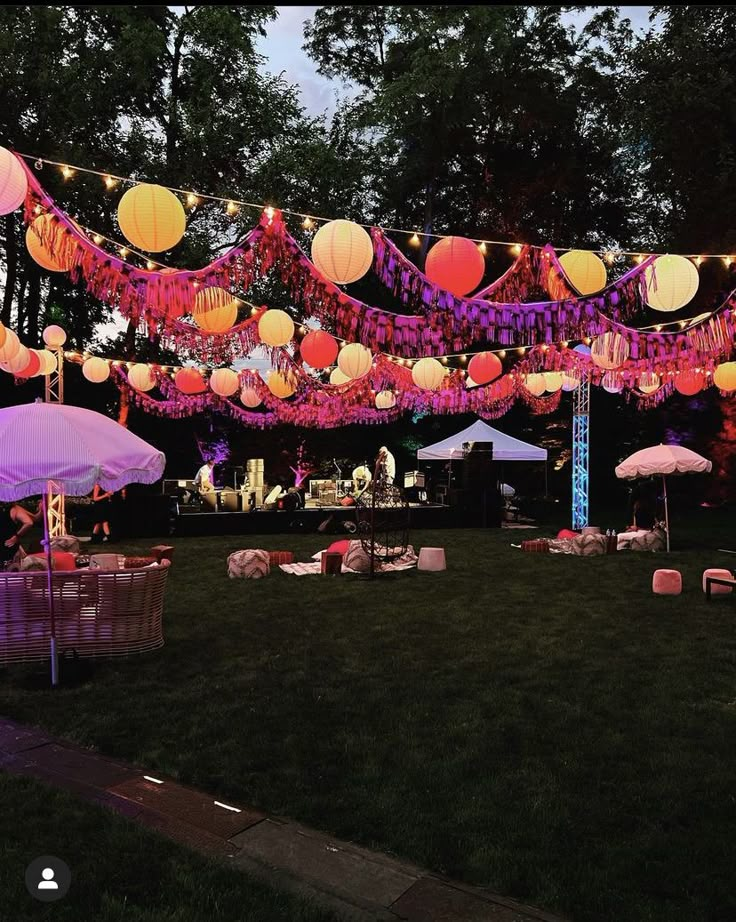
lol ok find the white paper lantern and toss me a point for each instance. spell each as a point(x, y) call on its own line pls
point(16, 362)
point(141, 377)
point(275, 328)
point(385, 400)
point(48, 361)
point(96, 370)
point(671, 282)
point(224, 382)
point(553, 381)
point(54, 336)
point(10, 346)
point(354, 360)
point(249, 397)
point(570, 382)
point(535, 384)
point(342, 251)
point(338, 377)
point(428, 374)
point(609, 350)
point(648, 382)
point(612, 383)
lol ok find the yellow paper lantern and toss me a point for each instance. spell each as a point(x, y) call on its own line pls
point(354, 360)
point(385, 400)
point(570, 382)
point(611, 383)
point(151, 217)
point(609, 350)
point(224, 382)
point(280, 384)
point(584, 270)
point(338, 377)
point(17, 362)
point(39, 253)
point(3, 334)
point(96, 370)
point(13, 182)
point(48, 361)
point(249, 397)
point(724, 377)
point(535, 384)
point(553, 381)
point(342, 251)
point(141, 377)
point(10, 346)
point(275, 328)
point(671, 282)
point(215, 310)
point(428, 374)
point(648, 382)
point(54, 336)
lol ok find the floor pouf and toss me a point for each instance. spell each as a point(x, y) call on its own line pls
point(667, 582)
point(249, 564)
point(589, 545)
point(718, 573)
point(432, 559)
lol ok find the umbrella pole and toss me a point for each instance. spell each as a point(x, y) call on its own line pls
point(52, 617)
point(666, 512)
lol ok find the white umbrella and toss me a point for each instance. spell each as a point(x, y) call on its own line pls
point(68, 450)
point(661, 460)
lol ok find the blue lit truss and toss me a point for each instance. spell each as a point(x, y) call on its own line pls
point(580, 453)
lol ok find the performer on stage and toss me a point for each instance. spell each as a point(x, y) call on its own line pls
point(388, 463)
point(203, 480)
point(361, 478)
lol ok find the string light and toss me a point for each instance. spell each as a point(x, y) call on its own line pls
point(609, 256)
point(110, 183)
point(269, 212)
point(232, 208)
point(192, 200)
point(516, 249)
point(483, 248)
point(414, 240)
point(124, 251)
point(698, 260)
point(67, 172)
point(150, 265)
point(307, 223)
point(727, 260)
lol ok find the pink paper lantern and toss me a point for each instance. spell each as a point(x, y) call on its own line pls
point(224, 382)
point(13, 182)
point(455, 264)
point(54, 336)
point(17, 362)
point(485, 367)
point(32, 368)
point(190, 381)
point(250, 398)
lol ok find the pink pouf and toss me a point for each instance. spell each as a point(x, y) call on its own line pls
point(432, 559)
point(718, 574)
point(667, 582)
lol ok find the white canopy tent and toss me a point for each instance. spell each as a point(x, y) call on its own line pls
point(505, 447)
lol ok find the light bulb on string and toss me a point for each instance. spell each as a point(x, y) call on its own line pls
point(516, 249)
point(150, 265)
point(67, 172)
point(97, 239)
point(192, 200)
point(727, 260)
point(307, 223)
point(232, 208)
point(414, 240)
point(124, 251)
point(110, 183)
point(482, 248)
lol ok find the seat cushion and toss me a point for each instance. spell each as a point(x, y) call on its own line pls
point(248, 564)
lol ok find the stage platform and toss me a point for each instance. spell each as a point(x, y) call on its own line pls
point(191, 524)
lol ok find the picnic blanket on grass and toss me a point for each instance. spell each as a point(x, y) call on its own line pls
point(406, 562)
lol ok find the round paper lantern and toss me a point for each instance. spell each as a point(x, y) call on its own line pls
point(319, 349)
point(582, 349)
point(17, 362)
point(49, 362)
point(570, 382)
point(275, 328)
point(141, 377)
point(671, 282)
point(249, 397)
point(611, 383)
point(385, 400)
point(38, 251)
point(10, 346)
point(13, 182)
point(190, 381)
point(690, 382)
point(584, 270)
point(280, 385)
point(609, 350)
point(3, 334)
point(215, 310)
point(224, 382)
point(151, 217)
point(502, 388)
point(338, 377)
point(342, 251)
point(553, 381)
point(54, 336)
point(485, 367)
point(535, 384)
point(455, 264)
point(33, 366)
point(724, 377)
point(470, 383)
point(648, 382)
point(96, 370)
point(428, 374)
point(354, 360)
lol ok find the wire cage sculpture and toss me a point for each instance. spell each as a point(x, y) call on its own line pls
point(383, 518)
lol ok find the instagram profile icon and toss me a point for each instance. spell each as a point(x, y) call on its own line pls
point(48, 878)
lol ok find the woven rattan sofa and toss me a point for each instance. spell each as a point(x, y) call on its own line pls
point(98, 612)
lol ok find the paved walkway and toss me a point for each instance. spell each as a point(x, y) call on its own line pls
point(355, 883)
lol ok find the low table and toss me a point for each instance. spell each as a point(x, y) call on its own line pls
point(711, 580)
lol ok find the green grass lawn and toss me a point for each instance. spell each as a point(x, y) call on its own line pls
point(541, 725)
point(120, 871)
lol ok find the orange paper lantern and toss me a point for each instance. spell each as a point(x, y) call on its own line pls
point(275, 328)
point(724, 377)
point(151, 217)
point(281, 385)
point(224, 382)
point(319, 349)
point(690, 382)
point(485, 367)
point(10, 346)
point(354, 360)
point(13, 182)
point(455, 264)
point(215, 310)
point(39, 253)
point(584, 270)
point(342, 251)
point(3, 334)
point(96, 370)
point(190, 381)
